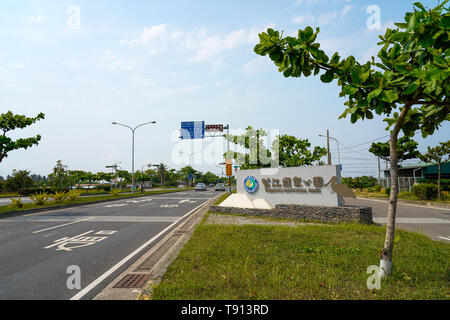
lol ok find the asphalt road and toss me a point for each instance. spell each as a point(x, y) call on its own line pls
point(431, 221)
point(36, 250)
point(7, 200)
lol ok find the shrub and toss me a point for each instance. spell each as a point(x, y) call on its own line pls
point(387, 191)
point(115, 192)
point(425, 191)
point(17, 202)
point(40, 199)
point(377, 188)
point(73, 195)
point(370, 190)
point(59, 196)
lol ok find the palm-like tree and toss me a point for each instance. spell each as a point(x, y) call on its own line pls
point(162, 170)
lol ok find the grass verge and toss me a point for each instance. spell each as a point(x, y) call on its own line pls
point(92, 199)
point(307, 262)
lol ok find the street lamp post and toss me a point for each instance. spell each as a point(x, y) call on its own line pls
point(132, 148)
point(337, 142)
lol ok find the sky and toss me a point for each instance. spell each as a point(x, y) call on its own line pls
point(86, 64)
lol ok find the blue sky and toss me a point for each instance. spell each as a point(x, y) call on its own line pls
point(173, 61)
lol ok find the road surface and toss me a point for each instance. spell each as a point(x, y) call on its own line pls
point(37, 250)
point(431, 221)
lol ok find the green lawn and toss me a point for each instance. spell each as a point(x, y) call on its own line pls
point(305, 262)
point(29, 206)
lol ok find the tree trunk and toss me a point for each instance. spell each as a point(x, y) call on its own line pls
point(386, 253)
point(439, 179)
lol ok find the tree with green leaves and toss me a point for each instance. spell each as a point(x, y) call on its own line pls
point(293, 152)
point(409, 85)
point(437, 155)
point(10, 122)
point(406, 149)
point(18, 180)
point(162, 170)
point(59, 179)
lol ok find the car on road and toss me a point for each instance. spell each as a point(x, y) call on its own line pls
point(181, 186)
point(201, 187)
point(220, 187)
point(211, 185)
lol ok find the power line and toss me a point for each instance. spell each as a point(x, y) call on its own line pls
point(361, 144)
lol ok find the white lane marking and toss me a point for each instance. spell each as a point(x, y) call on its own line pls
point(115, 205)
point(138, 201)
point(404, 204)
point(187, 201)
point(134, 219)
point(414, 220)
point(106, 232)
point(63, 225)
point(97, 281)
point(169, 206)
point(448, 239)
point(145, 205)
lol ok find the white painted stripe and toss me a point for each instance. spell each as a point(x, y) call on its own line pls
point(448, 239)
point(63, 225)
point(405, 204)
point(414, 220)
point(97, 281)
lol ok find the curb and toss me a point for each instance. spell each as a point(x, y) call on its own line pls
point(75, 205)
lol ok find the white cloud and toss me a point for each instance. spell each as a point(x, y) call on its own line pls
point(308, 18)
point(115, 62)
point(36, 19)
point(201, 44)
point(324, 18)
point(147, 82)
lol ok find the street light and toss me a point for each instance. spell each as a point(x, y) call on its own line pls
point(339, 155)
point(132, 149)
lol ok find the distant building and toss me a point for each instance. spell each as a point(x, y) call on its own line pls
point(423, 171)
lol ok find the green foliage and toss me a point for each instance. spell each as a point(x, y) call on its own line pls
point(17, 202)
point(18, 180)
point(406, 149)
point(425, 191)
point(437, 154)
point(377, 188)
point(40, 199)
point(115, 192)
point(59, 196)
point(9, 122)
point(293, 152)
point(387, 191)
point(60, 179)
point(360, 182)
point(414, 70)
point(73, 195)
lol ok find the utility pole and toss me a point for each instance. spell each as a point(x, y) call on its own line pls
point(379, 172)
point(328, 147)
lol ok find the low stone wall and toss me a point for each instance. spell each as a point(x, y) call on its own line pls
point(353, 214)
